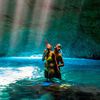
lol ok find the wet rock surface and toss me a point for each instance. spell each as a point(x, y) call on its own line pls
point(54, 91)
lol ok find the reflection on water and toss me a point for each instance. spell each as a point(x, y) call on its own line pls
point(20, 74)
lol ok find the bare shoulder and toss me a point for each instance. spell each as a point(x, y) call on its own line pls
point(52, 52)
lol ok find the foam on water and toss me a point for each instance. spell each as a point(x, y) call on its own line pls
point(11, 75)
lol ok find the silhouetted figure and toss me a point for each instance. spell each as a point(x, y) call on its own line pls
point(49, 62)
point(59, 60)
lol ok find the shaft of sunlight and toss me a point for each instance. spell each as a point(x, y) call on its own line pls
point(41, 15)
point(17, 23)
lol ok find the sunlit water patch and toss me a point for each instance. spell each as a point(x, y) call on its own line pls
point(10, 75)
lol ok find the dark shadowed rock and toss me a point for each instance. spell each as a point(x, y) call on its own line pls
point(25, 90)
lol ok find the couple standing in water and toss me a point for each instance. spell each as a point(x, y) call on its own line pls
point(53, 61)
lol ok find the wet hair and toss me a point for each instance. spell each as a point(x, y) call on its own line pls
point(49, 46)
point(58, 45)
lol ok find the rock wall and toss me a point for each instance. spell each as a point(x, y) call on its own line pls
point(26, 25)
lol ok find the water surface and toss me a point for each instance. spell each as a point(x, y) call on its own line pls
point(19, 69)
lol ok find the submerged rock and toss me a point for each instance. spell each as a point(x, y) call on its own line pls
point(53, 91)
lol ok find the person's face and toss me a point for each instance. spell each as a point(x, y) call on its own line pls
point(58, 48)
point(49, 47)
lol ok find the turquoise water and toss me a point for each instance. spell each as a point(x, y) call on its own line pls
point(27, 71)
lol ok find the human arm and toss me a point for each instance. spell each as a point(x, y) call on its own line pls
point(44, 54)
point(61, 62)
